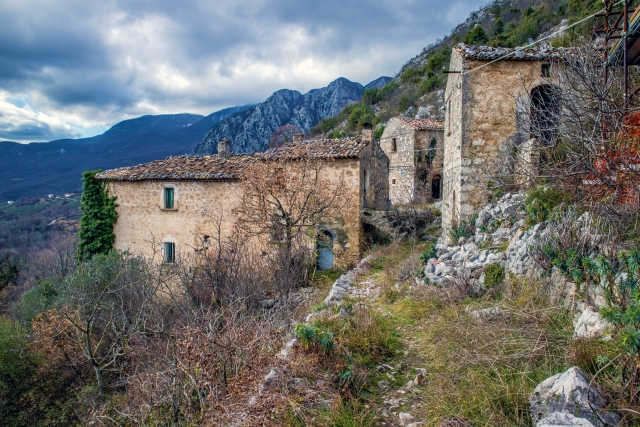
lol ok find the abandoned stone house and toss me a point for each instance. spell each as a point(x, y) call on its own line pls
point(167, 207)
point(415, 149)
point(481, 121)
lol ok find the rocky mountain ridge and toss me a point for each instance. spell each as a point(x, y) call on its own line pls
point(250, 130)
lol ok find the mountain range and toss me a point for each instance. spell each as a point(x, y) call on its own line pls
point(250, 130)
point(37, 169)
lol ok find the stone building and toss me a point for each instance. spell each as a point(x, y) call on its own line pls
point(484, 110)
point(415, 149)
point(167, 208)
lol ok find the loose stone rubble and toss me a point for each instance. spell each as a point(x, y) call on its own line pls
point(496, 225)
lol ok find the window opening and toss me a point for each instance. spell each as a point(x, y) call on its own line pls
point(169, 252)
point(168, 198)
point(546, 70)
point(394, 145)
point(436, 187)
point(544, 113)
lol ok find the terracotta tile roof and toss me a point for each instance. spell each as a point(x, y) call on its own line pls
point(211, 168)
point(320, 149)
point(422, 124)
point(486, 53)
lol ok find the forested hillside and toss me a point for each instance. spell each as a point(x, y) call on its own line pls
point(415, 90)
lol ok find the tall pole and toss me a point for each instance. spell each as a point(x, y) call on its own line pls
point(625, 41)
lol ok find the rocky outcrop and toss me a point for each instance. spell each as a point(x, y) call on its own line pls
point(568, 397)
point(378, 83)
point(250, 130)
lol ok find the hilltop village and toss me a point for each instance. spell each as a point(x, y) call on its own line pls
point(415, 161)
point(480, 270)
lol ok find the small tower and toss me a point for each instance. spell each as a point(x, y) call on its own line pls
point(224, 148)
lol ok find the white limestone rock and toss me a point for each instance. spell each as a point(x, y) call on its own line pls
point(569, 393)
point(559, 419)
point(591, 325)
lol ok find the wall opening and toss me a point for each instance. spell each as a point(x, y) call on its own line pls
point(168, 198)
point(325, 250)
point(394, 145)
point(544, 113)
point(436, 187)
point(169, 252)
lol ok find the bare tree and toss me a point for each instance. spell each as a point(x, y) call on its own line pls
point(283, 135)
point(281, 199)
point(576, 132)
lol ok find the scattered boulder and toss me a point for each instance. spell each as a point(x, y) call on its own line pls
point(591, 325)
point(559, 419)
point(487, 314)
point(270, 381)
point(405, 418)
point(569, 393)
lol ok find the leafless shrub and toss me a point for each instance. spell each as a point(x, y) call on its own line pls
point(575, 131)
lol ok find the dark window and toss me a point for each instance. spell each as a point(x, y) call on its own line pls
point(545, 113)
point(393, 181)
point(436, 187)
point(169, 252)
point(394, 145)
point(168, 198)
point(545, 70)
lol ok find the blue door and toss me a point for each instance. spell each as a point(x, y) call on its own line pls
point(325, 251)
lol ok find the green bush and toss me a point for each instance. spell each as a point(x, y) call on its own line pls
point(541, 201)
point(461, 228)
point(388, 89)
point(477, 36)
point(359, 115)
point(409, 74)
point(371, 96)
point(494, 274)
point(36, 300)
point(377, 134)
point(311, 336)
point(404, 103)
point(15, 372)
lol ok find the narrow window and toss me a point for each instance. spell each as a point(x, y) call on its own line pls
point(393, 181)
point(394, 145)
point(546, 70)
point(168, 198)
point(169, 252)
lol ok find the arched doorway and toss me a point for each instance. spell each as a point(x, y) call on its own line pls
point(436, 187)
point(325, 250)
point(544, 113)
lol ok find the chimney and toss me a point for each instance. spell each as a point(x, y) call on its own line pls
point(298, 137)
point(367, 132)
point(224, 148)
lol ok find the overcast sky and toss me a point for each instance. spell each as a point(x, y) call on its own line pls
point(71, 68)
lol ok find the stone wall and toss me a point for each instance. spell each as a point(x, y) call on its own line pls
point(409, 173)
point(479, 125)
point(143, 225)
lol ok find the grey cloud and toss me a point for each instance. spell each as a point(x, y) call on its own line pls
point(35, 132)
point(131, 57)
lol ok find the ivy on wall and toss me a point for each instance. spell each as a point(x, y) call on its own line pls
point(98, 217)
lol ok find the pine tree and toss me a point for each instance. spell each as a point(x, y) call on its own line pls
point(98, 217)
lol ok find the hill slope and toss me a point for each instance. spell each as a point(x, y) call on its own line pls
point(415, 90)
point(55, 167)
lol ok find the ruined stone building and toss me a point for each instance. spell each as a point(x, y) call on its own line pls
point(483, 106)
point(415, 150)
point(166, 207)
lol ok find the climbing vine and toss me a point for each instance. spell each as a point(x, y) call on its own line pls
point(98, 217)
